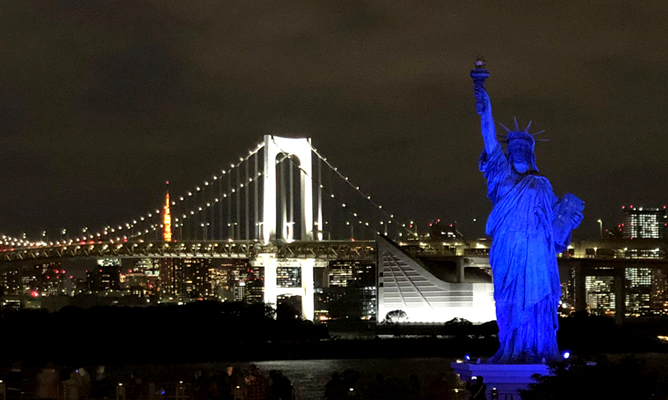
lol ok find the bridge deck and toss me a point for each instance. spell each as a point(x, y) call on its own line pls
point(197, 249)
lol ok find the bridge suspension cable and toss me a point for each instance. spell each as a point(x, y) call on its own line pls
point(149, 222)
point(357, 189)
point(333, 197)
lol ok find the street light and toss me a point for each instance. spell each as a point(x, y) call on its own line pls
point(600, 227)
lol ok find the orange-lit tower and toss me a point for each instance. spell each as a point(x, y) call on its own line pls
point(167, 218)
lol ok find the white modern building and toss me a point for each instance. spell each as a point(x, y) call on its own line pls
point(406, 284)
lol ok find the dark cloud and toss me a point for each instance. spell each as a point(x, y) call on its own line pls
point(101, 101)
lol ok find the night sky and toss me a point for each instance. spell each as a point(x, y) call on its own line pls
point(102, 101)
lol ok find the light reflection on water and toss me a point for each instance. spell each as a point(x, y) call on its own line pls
point(309, 377)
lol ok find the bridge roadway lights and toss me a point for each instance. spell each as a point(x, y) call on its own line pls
point(328, 250)
point(271, 288)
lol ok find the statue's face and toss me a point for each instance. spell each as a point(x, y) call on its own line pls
point(520, 158)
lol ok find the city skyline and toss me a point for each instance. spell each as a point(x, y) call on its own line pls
point(102, 102)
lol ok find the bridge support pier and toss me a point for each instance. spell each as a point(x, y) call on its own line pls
point(305, 289)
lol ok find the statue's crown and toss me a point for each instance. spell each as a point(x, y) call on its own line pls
point(518, 136)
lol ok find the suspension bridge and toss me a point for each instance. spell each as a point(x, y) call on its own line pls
point(283, 203)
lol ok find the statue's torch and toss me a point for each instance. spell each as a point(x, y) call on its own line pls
point(479, 74)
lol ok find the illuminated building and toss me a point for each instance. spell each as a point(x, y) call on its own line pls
point(236, 280)
point(105, 277)
point(644, 223)
point(195, 282)
point(221, 281)
point(58, 283)
point(349, 290)
point(136, 282)
point(167, 219)
point(425, 294)
point(660, 292)
point(339, 273)
point(239, 291)
point(27, 279)
point(225, 278)
point(151, 269)
point(170, 273)
point(25, 283)
point(600, 295)
point(10, 280)
point(644, 290)
point(639, 291)
point(288, 277)
point(33, 277)
point(254, 285)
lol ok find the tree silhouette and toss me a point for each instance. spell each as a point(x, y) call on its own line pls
point(396, 316)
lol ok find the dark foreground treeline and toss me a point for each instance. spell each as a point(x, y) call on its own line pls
point(192, 332)
point(582, 333)
point(212, 331)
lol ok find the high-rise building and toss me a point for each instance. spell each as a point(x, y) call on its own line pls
point(221, 280)
point(168, 272)
point(644, 223)
point(639, 291)
point(254, 285)
point(660, 292)
point(196, 278)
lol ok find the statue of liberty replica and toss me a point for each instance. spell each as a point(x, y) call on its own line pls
point(529, 225)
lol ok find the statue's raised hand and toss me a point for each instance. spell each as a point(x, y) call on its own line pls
point(483, 103)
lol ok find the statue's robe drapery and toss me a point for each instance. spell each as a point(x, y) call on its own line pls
point(523, 259)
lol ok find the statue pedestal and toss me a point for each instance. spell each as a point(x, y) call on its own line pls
point(508, 379)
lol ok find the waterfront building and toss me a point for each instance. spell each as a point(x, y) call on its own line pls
point(436, 293)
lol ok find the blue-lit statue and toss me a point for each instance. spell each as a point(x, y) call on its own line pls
point(529, 226)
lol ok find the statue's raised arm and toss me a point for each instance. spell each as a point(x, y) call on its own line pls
point(484, 105)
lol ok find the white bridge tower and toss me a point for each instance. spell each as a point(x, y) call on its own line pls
point(299, 150)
